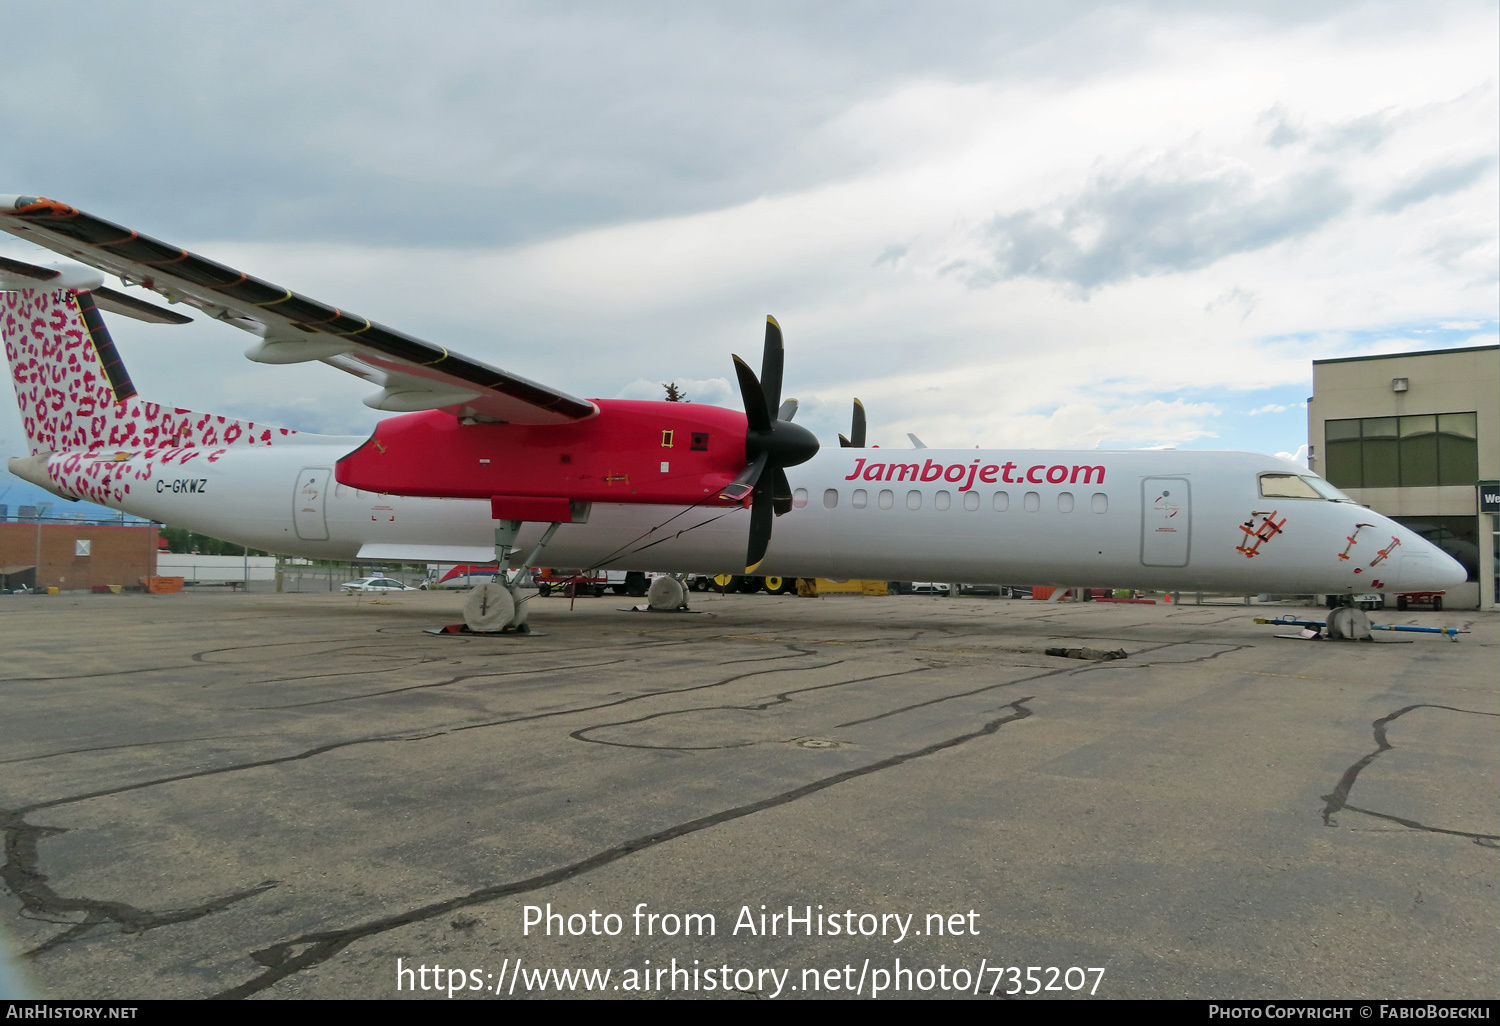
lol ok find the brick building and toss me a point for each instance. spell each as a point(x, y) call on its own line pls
point(76, 557)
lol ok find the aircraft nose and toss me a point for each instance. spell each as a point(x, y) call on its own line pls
point(1449, 570)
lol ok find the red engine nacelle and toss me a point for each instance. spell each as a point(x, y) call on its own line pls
point(647, 452)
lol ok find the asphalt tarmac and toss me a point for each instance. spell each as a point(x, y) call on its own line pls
point(267, 796)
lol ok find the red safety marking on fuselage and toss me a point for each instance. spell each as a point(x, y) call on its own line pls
point(1268, 528)
point(1392, 547)
point(1350, 539)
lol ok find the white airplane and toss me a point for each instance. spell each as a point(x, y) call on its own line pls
point(479, 462)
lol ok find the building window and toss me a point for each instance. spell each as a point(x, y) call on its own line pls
point(1457, 536)
point(1421, 451)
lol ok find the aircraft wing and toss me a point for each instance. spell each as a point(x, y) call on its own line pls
point(410, 373)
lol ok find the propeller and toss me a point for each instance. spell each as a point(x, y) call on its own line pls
point(772, 443)
point(856, 439)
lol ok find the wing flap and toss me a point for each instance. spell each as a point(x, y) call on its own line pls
point(279, 315)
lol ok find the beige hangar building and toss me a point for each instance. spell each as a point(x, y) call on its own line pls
point(1416, 436)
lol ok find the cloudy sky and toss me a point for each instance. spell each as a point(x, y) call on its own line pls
point(999, 224)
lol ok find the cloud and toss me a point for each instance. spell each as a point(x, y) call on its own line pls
point(1235, 299)
point(1437, 181)
point(1363, 133)
point(1157, 221)
point(1298, 455)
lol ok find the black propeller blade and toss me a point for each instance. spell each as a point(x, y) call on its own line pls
point(857, 430)
point(772, 442)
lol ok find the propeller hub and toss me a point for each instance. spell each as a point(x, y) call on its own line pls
point(787, 444)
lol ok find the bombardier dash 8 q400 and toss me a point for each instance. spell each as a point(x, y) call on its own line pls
point(478, 462)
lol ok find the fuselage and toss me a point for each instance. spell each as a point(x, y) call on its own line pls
point(1149, 518)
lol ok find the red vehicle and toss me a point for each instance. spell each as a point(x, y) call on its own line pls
point(1420, 598)
point(584, 582)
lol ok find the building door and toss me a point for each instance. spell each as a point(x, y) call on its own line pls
point(1166, 521)
point(308, 501)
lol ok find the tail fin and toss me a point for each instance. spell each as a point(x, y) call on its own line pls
point(77, 399)
point(64, 393)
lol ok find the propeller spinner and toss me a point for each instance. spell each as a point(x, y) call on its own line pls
point(772, 443)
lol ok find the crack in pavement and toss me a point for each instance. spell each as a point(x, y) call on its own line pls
point(40, 902)
point(1338, 800)
point(461, 678)
point(780, 698)
point(136, 744)
point(21, 875)
point(311, 949)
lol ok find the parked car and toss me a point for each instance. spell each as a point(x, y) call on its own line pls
point(375, 584)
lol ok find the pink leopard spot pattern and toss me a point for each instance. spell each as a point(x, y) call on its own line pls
point(102, 447)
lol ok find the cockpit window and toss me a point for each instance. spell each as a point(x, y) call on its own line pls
point(1286, 486)
point(1327, 490)
point(1299, 486)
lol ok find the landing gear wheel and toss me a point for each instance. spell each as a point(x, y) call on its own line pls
point(489, 607)
point(635, 584)
point(780, 585)
point(699, 584)
point(618, 589)
point(667, 593)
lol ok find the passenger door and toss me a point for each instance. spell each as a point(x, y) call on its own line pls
point(308, 503)
point(1166, 521)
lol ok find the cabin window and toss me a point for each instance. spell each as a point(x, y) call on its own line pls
point(666, 439)
point(1001, 502)
point(942, 500)
point(1100, 502)
point(700, 442)
point(913, 499)
point(887, 498)
point(799, 498)
point(1286, 486)
point(1032, 502)
point(971, 500)
point(1065, 502)
point(859, 499)
point(830, 498)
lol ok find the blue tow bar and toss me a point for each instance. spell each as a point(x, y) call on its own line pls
point(1451, 633)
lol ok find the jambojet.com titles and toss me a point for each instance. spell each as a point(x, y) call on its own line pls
point(991, 473)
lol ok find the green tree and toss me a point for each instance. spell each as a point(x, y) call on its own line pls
point(675, 394)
